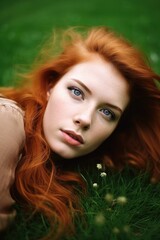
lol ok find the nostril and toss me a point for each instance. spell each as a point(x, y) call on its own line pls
point(77, 122)
point(82, 121)
point(86, 127)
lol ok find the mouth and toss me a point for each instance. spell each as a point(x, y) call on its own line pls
point(76, 138)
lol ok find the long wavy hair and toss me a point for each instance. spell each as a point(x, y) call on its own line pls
point(136, 140)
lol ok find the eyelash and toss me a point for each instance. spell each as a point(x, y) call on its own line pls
point(72, 89)
point(112, 116)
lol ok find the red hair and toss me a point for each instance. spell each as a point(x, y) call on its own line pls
point(135, 141)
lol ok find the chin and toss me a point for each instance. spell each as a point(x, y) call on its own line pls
point(64, 154)
point(67, 156)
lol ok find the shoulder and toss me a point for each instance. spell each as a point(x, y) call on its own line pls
point(10, 106)
point(11, 119)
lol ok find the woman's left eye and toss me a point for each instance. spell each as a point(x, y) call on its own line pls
point(108, 113)
point(76, 92)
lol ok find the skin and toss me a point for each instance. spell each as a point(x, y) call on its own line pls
point(85, 110)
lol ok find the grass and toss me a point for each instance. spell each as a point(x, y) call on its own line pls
point(137, 218)
point(24, 27)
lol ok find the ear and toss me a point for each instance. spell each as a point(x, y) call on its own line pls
point(50, 86)
point(48, 94)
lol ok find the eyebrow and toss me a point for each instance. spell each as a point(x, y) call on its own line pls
point(83, 85)
point(89, 91)
point(115, 107)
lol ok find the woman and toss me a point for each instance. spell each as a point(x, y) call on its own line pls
point(97, 99)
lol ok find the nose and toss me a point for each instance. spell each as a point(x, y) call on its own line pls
point(83, 120)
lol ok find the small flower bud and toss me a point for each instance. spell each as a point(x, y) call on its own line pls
point(99, 219)
point(103, 174)
point(121, 200)
point(95, 185)
point(108, 197)
point(116, 230)
point(99, 166)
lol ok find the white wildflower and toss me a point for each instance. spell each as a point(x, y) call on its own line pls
point(100, 219)
point(99, 166)
point(95, 185)
point(103, 174)
point(122, 200)
point(108, 197)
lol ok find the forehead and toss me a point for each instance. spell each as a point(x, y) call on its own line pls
point(103, 80)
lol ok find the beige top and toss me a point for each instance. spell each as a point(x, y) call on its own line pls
point(12, 137)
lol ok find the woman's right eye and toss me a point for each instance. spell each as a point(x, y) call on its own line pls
point(76, 92)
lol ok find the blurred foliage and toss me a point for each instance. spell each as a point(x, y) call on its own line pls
point(26, 25)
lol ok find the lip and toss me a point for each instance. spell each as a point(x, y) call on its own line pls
point(72, 137)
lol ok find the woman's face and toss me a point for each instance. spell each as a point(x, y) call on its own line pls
point(84, 108)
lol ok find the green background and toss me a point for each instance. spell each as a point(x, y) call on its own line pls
point(25, 25)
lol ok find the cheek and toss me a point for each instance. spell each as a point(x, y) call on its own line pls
point(57, 109)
